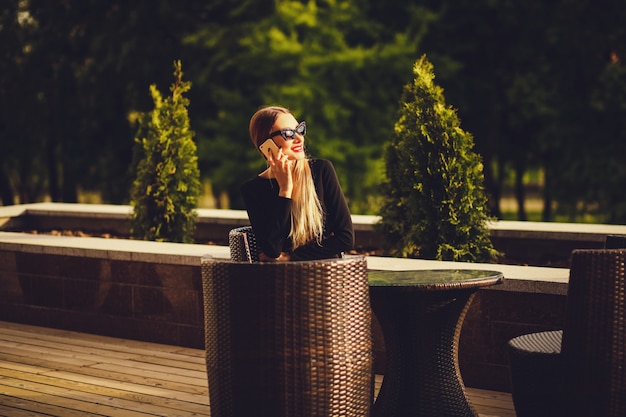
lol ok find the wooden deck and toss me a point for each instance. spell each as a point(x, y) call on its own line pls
point(50, 372)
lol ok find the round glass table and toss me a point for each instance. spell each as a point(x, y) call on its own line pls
point(421, 313)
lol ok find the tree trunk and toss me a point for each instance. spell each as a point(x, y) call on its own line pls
point(520, 193)
point(546, 214)
point(6, 194)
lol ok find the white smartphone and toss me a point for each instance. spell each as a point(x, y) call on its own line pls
point(269, 146)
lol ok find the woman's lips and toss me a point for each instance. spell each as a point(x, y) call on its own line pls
point(297, 148)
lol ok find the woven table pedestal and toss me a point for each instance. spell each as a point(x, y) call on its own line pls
point(421, 314)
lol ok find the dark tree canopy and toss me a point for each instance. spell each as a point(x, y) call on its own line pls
point(540, 86)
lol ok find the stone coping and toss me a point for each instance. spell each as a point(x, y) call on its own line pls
point(517, 278)
point(503, 228)
point(557, 231)
point(117, 249)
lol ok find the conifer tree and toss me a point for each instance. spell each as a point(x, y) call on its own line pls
point(434, 203)
point(167, 185)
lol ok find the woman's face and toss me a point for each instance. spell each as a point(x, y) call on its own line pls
point(294, 149)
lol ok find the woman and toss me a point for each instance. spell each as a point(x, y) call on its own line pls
point(296, 207)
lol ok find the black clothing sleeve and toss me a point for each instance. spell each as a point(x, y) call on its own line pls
point(270, 216)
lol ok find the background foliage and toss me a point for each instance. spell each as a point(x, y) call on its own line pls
point(541, 87)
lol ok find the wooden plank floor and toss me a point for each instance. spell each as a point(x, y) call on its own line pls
point(50, 372)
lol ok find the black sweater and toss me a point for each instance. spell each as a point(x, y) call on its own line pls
point(270, 215)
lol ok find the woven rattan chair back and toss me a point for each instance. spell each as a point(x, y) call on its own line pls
point(594, 336)
point(288, 338)
point(615, 242)
point(242, 244)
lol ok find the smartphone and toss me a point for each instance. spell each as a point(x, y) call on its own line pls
point(269, 146)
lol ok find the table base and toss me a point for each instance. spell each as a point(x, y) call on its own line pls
point(421, 332)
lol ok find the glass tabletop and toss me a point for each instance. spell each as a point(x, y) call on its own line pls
point(435, 278)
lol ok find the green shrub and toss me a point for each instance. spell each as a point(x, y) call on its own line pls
point(165, 192)
point(434, 204)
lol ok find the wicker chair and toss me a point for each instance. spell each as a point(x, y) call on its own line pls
point(288, 338)
point(242, 244)
point(581, 370)
point(615, 242)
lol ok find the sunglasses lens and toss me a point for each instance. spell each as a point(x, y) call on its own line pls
point(290, 134)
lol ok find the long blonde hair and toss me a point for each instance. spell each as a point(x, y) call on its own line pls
point(307, 216)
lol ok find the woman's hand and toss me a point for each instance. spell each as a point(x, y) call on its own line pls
point(283, 257)
point(281, 170)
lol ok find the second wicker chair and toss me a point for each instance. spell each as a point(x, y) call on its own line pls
point(585, 375)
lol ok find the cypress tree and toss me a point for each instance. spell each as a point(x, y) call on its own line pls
point(434, 204)
point(165, 192)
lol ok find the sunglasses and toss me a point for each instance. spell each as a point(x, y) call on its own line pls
point(290, 134)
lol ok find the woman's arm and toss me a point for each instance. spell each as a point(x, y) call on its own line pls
point(269, 215)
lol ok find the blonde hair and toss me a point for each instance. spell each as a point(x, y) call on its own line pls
point(307, 216)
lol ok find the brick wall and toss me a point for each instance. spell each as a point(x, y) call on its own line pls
point(495, 317)
point(159, 301)
point(156, 302)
